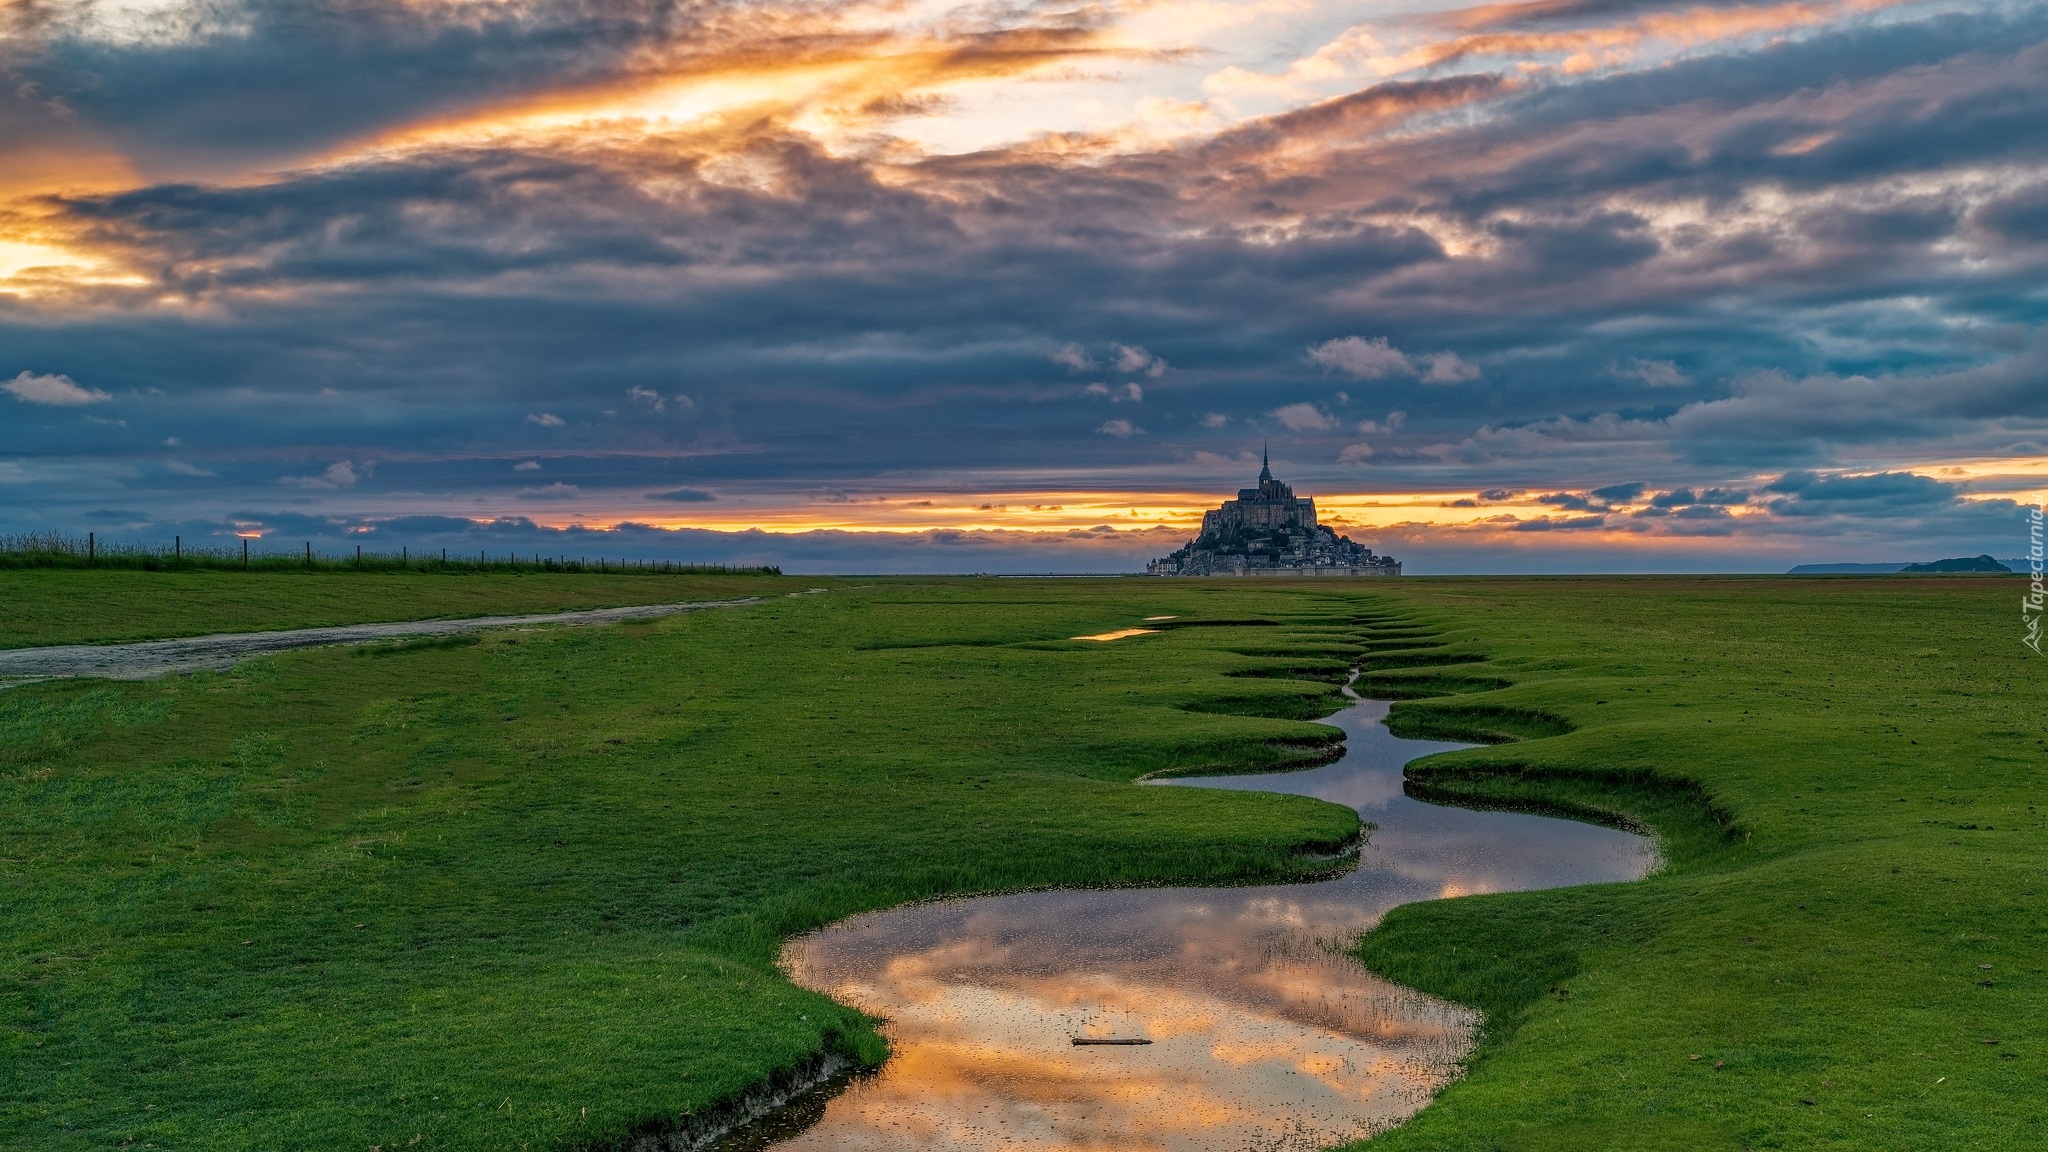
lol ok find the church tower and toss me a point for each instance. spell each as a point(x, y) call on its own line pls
point(1269, 531)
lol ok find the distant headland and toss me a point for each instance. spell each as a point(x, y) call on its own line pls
point(1959, 564)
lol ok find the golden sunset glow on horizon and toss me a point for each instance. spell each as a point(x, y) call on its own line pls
point(1063, 513)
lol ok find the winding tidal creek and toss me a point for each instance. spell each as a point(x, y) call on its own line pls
point(1262, 1033)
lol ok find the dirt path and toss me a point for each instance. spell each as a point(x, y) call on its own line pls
point(149, 659)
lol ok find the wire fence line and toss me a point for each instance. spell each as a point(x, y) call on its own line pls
point(56, 550)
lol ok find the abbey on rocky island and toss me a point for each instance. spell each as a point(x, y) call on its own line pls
point(1269, 531)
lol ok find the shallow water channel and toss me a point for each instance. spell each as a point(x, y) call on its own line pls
point(1264, 1035)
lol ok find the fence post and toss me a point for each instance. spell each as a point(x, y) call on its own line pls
point(91, 548)
point(309, 555)
point(359, 555)
point(245, 553)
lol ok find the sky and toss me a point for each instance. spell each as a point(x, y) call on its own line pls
point(909, 285)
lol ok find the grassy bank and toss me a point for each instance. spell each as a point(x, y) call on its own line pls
point(526, 891)
point(101, 606)
point(1846, 950)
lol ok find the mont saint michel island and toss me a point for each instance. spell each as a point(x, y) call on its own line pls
point(1269, 531)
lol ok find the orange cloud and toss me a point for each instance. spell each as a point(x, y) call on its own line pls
point(796, 71)
point(1589, 48)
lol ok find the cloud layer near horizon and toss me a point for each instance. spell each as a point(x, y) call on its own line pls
point(813, 267)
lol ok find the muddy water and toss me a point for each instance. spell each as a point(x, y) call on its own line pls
point(1263, 1034)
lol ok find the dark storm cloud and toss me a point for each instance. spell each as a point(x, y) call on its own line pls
point(1806, 494)
point(1771, 419)
point(1766, 411)
point(1621, 493)
point(2021, 217)
point(283, 78)
point(1688, 499)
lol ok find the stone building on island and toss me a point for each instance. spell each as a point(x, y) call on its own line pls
point(1269, 531)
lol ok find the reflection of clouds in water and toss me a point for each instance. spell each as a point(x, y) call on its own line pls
point(1276, 909)
point(1368, 778)
point(983, 1067)
point(1256, 1027)
point(1421, 851)
point(1504, 852)
point(1264, 1033)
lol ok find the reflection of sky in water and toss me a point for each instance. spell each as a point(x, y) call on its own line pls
point(1119, 634)
point(1263, 1035)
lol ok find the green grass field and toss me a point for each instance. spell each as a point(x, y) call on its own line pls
point(526, 891)
point(1853, 962)
point(104, 606)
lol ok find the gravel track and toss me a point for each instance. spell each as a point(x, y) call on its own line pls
point(148, 659)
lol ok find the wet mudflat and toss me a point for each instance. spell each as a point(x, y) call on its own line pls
point(148, 659)
point(1264, 1034)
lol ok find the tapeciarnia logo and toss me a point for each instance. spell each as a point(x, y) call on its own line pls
point(2031, 603)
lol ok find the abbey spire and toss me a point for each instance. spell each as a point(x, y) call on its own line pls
point(1269, 531)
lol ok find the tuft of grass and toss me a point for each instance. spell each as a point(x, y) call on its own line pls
point(1325, 671)
point(1378, 660)
point(1507, 956)
point(1477, 723)
point(1420, 686)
